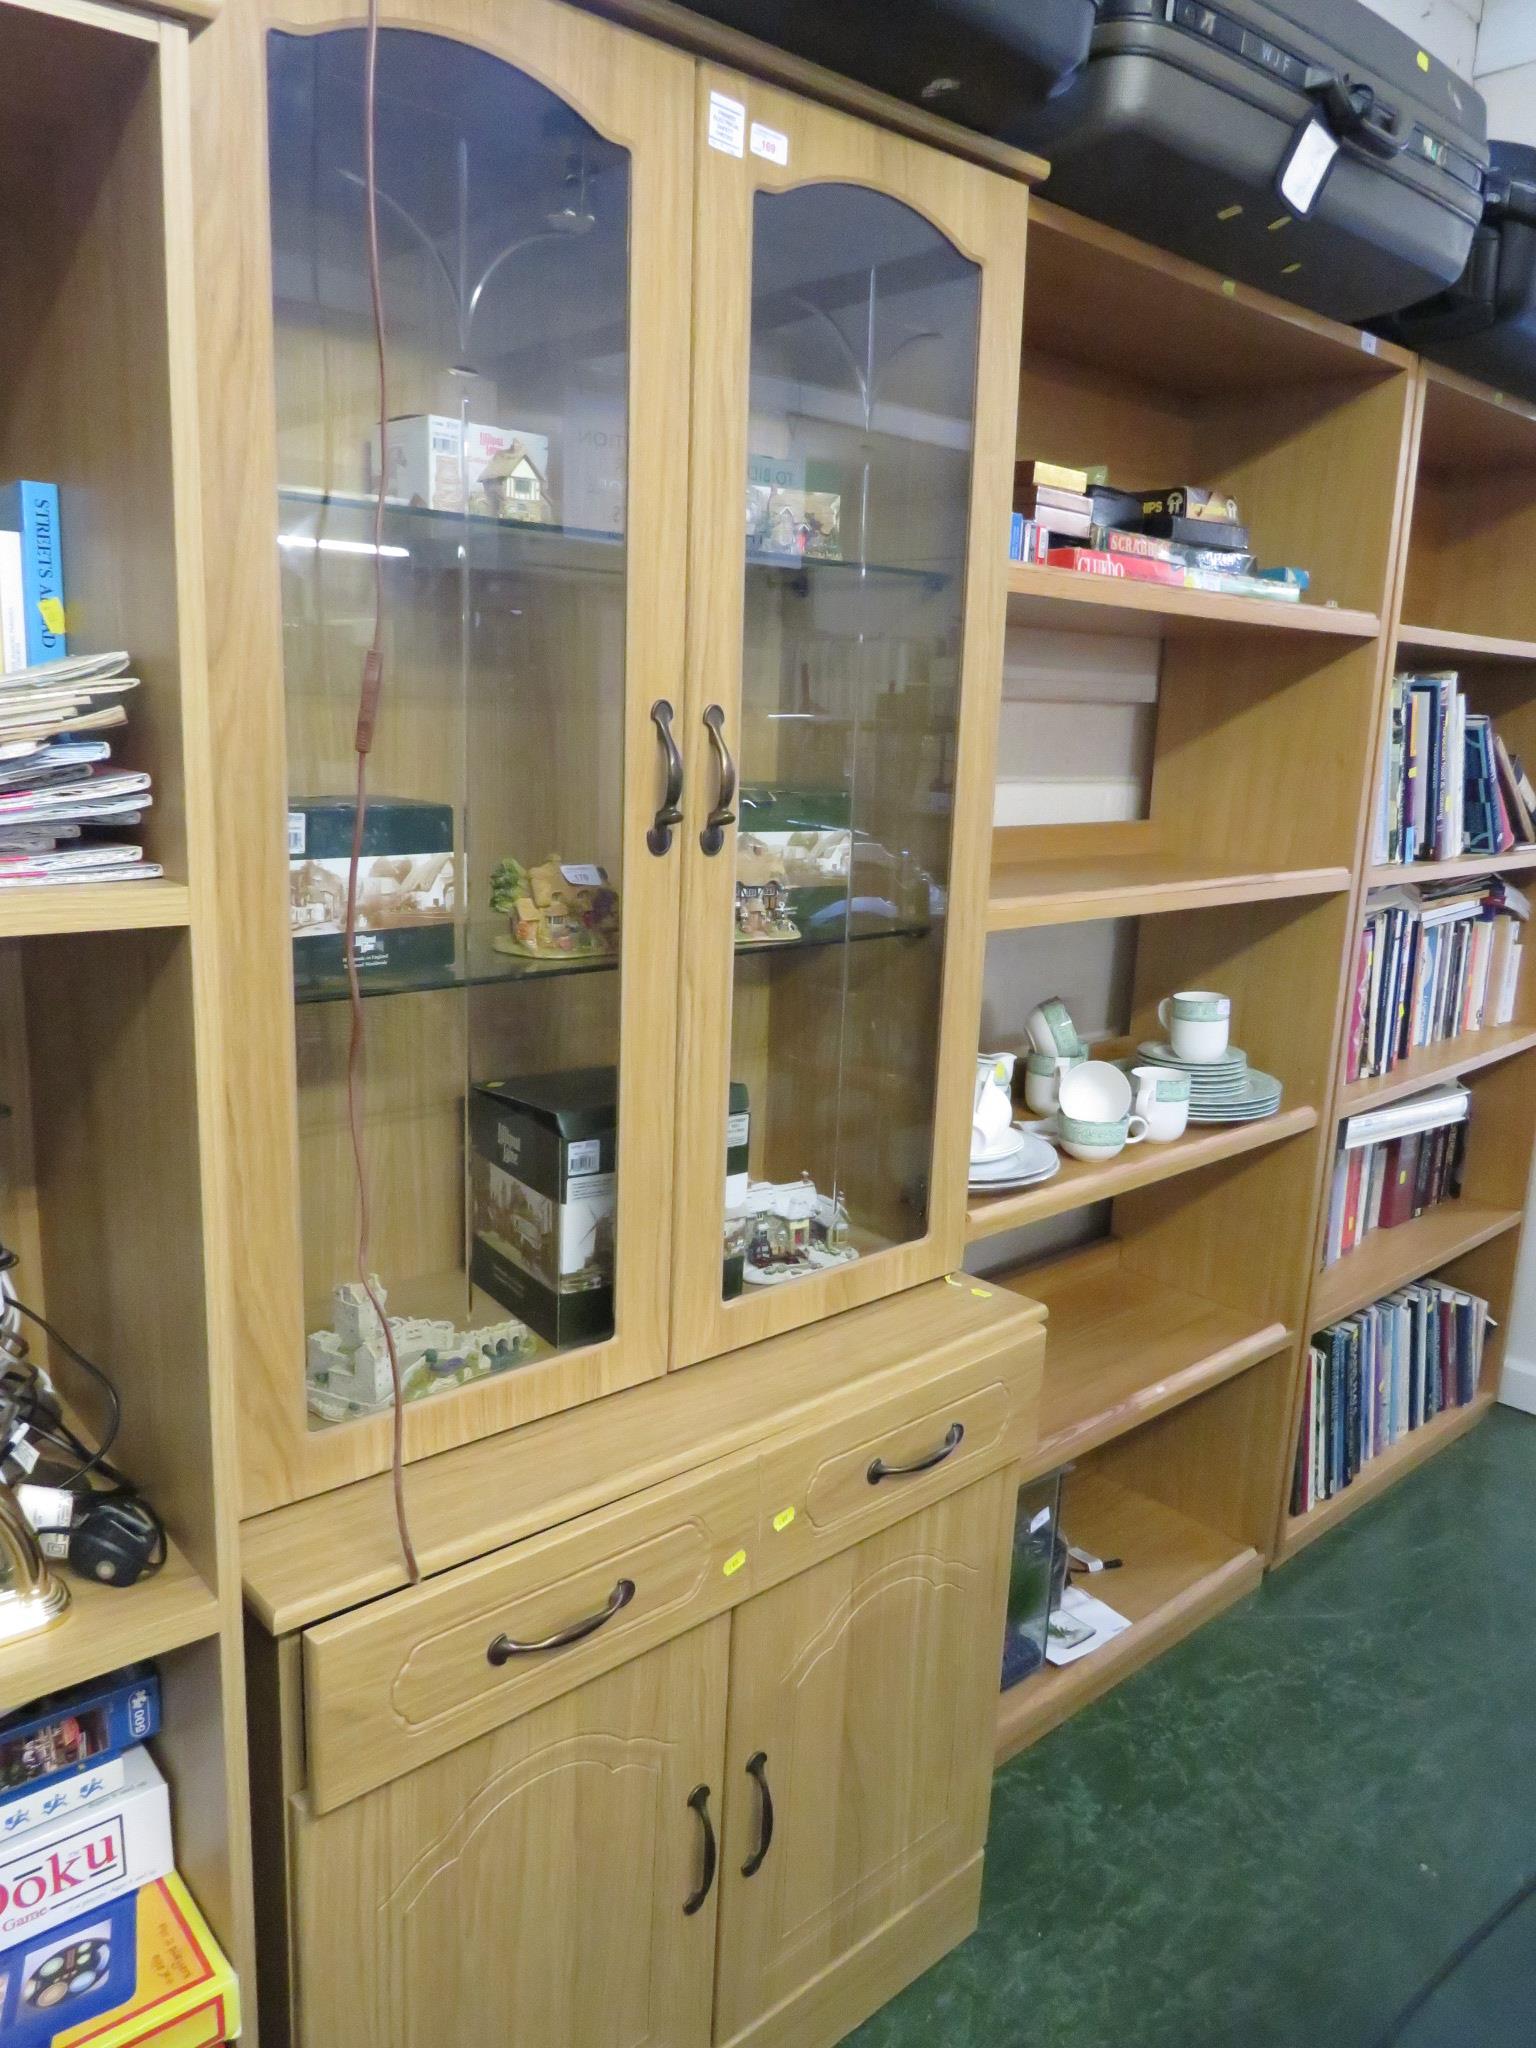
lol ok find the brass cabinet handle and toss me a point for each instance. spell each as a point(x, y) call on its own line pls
point(659, 837)
point(712, 838)
point(880, 1470)
point(505, 1648)
point(698, 1799)
point(757, 1767)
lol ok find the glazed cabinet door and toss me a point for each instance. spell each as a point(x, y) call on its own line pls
point(858, 1770)
point(518, 886)
point(550, 1883)
point(858, 300)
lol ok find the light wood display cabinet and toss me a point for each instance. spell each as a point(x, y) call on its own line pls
point(710, 1763)
point(672, 889)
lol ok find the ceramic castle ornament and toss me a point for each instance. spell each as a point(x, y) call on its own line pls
point(347, 1366)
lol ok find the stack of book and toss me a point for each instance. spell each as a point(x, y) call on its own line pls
point(1184, 536)
point(1380, 1373)
point(1449, 785)
point(1395, 1163)
point(59, 800)
point(1432, 963)
point(99, 1939)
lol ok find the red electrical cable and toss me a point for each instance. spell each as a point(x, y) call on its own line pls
point(367, 714)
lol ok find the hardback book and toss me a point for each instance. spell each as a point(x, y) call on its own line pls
point(1064, 526)
point(32, 510)
point(13, 604)
point(1050, 476)
point(1047, 498)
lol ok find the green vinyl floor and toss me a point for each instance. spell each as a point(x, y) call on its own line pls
point(1277, 1835)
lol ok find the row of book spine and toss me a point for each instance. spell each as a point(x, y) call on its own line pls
point(1380, 1186)
point(1429, 968)
point(1380, 1373)
point(1449, 786)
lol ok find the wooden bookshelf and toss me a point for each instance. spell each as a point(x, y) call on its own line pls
point(109, 1158)
point(1442, 1061)
point(1177, 1574)
point(1474, 646)
point(1469, 867)
point(1081, 1182)
point(1374, 1478)
point(93, 907)
point(1068, 602)
point(1027, 892)
point(1389, 1259)
point(1126, 1346)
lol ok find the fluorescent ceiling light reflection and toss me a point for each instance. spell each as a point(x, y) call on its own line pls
point(340, 547)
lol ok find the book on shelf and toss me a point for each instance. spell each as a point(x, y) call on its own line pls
point(1433, 962)
point(1394, 1163)
point(1049, 476)
point(1028, 541)
point(1449, 786)
point(1380, 1373)
point(1044, 500)
point(13, 604)
point(30, 510)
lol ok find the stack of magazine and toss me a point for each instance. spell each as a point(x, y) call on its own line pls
point(62, 804)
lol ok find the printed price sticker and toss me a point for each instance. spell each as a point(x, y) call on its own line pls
point(587, 877)
point(296, 824)
point(53, 613)
point(769, 143)
point(727, 125)
point(782, 1520)
point(734, 1563)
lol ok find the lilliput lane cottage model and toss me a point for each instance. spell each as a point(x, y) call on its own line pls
point(556, 911)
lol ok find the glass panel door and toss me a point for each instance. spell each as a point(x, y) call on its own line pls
point(496, 886)
point(863, 367)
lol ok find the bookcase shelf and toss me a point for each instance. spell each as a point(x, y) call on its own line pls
point(1467, 1054)
point(1081, 1182)
point(1377, 1474)
point(1126, 1346)
point(1389, 1259)
point(1027, 893)
point(93, 907)
point(1477, 646)
point(1068, 602)
point(107, 1626)
point(1518, 860)
point(1178, 1573)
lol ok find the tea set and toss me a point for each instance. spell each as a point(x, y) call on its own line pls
point(1092, 1109)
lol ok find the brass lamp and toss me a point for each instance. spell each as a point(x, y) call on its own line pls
point(31, 1598)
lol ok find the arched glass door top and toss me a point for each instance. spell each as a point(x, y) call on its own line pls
point(493, 879)
point(864, 331)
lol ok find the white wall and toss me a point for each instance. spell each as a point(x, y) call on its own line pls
point(1506, 68)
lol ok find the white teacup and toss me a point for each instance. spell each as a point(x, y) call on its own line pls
point(992, 1107)
point(1094, 1092)
point(1098, 1139)
point(1042, 1081)
point(1052, 1031)
point(1162, 1097)
point(1198, 1023)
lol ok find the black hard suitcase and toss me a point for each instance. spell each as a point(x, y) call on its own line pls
point(1485, 323)
point(977, 62)
point(1185, 117)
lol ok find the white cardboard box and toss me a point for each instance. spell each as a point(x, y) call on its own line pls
point(34, 1806)
point(437, 462)
point(89, 1857)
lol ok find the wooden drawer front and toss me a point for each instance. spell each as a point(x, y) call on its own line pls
point(411, 1677)
point(818, 1494)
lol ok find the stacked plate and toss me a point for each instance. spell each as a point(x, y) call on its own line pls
point(1224, 1091)
point(1029, 1160)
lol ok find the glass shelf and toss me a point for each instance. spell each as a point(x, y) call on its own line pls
point(479, 964)
point(341, 523)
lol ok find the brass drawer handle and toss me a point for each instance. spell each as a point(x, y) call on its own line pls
point(880, 1470)
point(698, 1799)
point(505, 1648)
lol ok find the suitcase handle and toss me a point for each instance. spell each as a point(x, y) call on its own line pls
point(1347, 109)
point(1509, 199)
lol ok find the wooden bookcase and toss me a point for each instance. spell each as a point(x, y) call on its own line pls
point(109, 1158)
point(1178, 1330)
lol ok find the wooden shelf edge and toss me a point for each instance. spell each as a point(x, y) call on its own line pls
point(1439, 1062)
point(1468, 865)
point(1021, 910)
point(1139, 1166)
point(1180, 610)
point(1490, 646)
point(1420, 1250)
point(1157, 1398)
point(106, 1627)
point(1043, 1702)
point(78, 908)
point(1382, 1473)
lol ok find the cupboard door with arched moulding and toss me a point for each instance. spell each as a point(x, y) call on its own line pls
point(856, 397)
point(518, 900)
